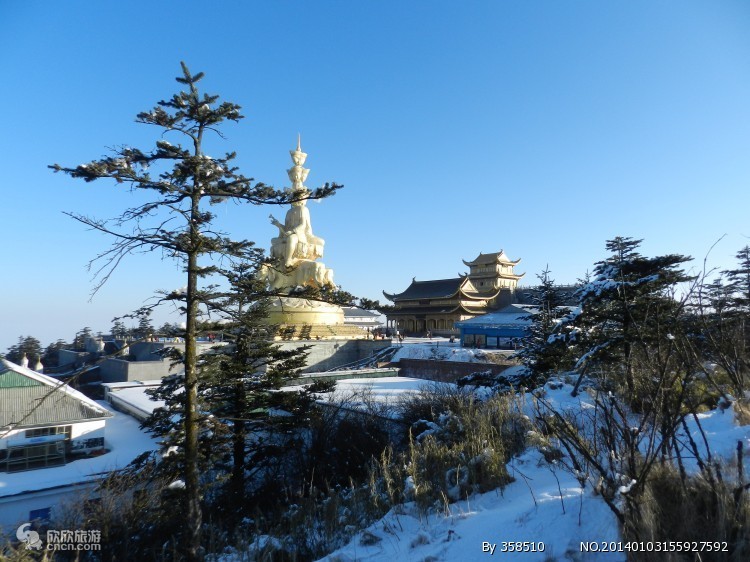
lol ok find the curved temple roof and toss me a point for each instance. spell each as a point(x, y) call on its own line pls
point(493, 258)
point(440, 288)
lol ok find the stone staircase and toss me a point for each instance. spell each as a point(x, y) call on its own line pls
point(291, 332)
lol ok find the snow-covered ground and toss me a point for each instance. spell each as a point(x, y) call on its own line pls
point(383, 389)
point(544, 514)
point(443, 350)
point(551, 517)
point(545, 507)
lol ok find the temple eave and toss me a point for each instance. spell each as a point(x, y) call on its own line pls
point(498, 258)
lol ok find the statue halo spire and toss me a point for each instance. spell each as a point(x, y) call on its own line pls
point(298, 174)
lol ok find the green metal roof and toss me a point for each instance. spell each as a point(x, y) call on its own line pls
point(30, 399)
point(11, 379)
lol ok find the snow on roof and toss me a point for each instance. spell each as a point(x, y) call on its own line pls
point(136, 397)
point(353, 311)
point(382, 389)
point(362, 393)
point(512, 315)
point(444, 351)
point(114, 386)
point(29, 398)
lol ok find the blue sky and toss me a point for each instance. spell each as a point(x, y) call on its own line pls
point(541, 128)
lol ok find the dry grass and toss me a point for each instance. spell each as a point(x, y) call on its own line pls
point(694, 510)
point(742, 411)
point(457, 446)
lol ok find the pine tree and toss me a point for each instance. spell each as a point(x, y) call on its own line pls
point(168, 330)
point(628, 308)
point(51, 357)
point(738, 281)
point(28, 346)
point(238, 384)
point(119, 330)
point(723, 308)
point(543, 349)
point(79, 341)
point(185, 180)
point(632, 337)
point(145, 327)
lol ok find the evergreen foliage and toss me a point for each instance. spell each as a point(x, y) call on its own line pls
point(642, 354)
point(723, 308)
point(51, 357)
point(542, 352)
point(28, 346)
point(247, 427)
point(145, 327)
point(119, 330)
point(625, 312)
point(79, 341)
point(738, 281)
point(181, 181)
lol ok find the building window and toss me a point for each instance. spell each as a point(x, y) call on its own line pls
point(48, 431)
point(87, 444)
point(35, 456)
point(40, 514)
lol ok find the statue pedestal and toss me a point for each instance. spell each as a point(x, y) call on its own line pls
point(308, 320)
point(294, 311)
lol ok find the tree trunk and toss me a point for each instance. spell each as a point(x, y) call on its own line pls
point(192, 484)
point(239, 436)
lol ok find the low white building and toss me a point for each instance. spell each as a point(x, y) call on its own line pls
point(131, 397)
point(53, 445)
point(365, 319)
point(44, 422)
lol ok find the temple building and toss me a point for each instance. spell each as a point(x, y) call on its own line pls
point(435, 306)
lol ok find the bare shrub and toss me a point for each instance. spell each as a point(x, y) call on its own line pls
point(321, 521)
point(458, 445)
point(433, 400)
point(134, 509)
point(742, 411)
point(18, 553)
point(691, 510)
point(464, 450)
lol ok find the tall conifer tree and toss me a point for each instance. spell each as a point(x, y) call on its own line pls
point(181, 181)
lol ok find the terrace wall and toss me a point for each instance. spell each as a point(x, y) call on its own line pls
point(447, 371)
